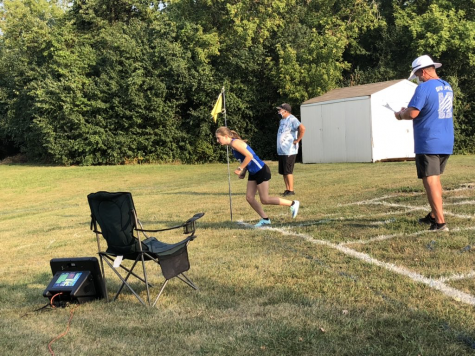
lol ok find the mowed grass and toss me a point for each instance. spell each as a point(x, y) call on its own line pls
point(289, 290)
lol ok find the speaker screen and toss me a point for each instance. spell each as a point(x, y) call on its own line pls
point(67, 279)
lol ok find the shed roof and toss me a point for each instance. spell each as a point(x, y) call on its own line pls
point(352, 92)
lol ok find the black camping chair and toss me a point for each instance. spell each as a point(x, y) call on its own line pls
point(114, 217)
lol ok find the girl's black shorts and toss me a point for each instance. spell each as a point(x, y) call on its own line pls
point(262, 176)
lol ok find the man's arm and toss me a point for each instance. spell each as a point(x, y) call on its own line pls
point(300, 134)
point(407, 114)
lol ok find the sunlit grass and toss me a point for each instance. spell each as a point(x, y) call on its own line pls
point(280, 291)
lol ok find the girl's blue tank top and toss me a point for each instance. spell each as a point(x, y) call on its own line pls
point(256, 163)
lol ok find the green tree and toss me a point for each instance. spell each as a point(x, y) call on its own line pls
point(442, 29)
point(112, 84)
point(446, 31)
point(272, 51)
point(26, 29)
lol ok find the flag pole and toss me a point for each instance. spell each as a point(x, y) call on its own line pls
point(227, 157)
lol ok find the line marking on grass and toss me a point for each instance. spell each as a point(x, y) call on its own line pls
point(374, 239)
point(371, 201)
point(414, 208)
point(388, 237)
point(463, 187)
point(354, 217)
point(457, 277)
point(416, 277)
point(465, 202)
point(438, 284)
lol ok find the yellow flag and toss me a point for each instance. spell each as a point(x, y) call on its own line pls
point(218, 107)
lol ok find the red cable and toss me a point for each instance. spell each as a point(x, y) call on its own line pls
point(71, 313)
point(54, 296)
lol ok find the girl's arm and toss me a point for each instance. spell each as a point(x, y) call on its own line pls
point(241, 147)
point(242, 175)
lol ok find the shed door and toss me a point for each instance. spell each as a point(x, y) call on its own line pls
point(337, 131)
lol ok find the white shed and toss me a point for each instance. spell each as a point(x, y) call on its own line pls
point(357, 124)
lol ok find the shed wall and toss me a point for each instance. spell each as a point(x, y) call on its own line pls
point(337, 131)
point(359, 129)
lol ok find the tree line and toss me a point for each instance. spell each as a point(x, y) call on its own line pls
point(92, 82)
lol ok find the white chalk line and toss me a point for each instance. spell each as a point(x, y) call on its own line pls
point(438, 284)
point(388, 237)
point(372, 201)
point(385, 222)
point(355, 217)
point(463, 187)
point(433, 283)
point(465, 202)
point(414, 208)
point(457, 277)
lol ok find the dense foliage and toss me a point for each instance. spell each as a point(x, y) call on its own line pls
point(117, 81)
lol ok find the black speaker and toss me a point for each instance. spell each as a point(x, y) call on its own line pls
point(76, 280)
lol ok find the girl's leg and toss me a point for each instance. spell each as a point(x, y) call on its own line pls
point(251, 191)
point(263, 190)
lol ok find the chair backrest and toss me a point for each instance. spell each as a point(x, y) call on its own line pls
point(115, 214)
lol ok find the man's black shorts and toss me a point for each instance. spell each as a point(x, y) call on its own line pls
point(286, 164)
point(261, 176)
point(430, 165)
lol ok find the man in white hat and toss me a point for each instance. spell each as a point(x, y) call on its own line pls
point(431, 111)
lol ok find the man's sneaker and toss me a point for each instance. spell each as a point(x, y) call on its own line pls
point(294, 209)
point(427, 220)
point(262, 222)
point(439, 227)
point(288, 192)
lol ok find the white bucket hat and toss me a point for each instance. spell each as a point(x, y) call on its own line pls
point(422, 62)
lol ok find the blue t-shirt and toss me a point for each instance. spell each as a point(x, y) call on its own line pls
point(288, 132)
point(434, 127)
point(256, 163)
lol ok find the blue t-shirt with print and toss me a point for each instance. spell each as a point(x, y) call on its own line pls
point(433, 127)
point(288, 132)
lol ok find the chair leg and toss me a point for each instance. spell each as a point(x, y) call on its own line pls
point(182, 277)
point(187, 281)
point(124, 282)
point(129, 271)
point(159, 294)
point(146, 279)
point(104, 278)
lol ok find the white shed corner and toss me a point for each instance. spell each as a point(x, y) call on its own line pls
point(357, 124)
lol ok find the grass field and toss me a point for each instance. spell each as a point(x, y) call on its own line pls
point(353, 274)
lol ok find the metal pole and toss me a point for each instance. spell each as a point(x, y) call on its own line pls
point(227, 157)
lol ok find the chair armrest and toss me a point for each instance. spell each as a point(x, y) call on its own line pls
point(188, 225)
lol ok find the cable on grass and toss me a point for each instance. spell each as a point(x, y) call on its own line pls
point(52, 298)
point(44, 307)
point(71, 313)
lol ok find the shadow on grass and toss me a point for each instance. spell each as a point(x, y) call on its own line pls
point(271, 319)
